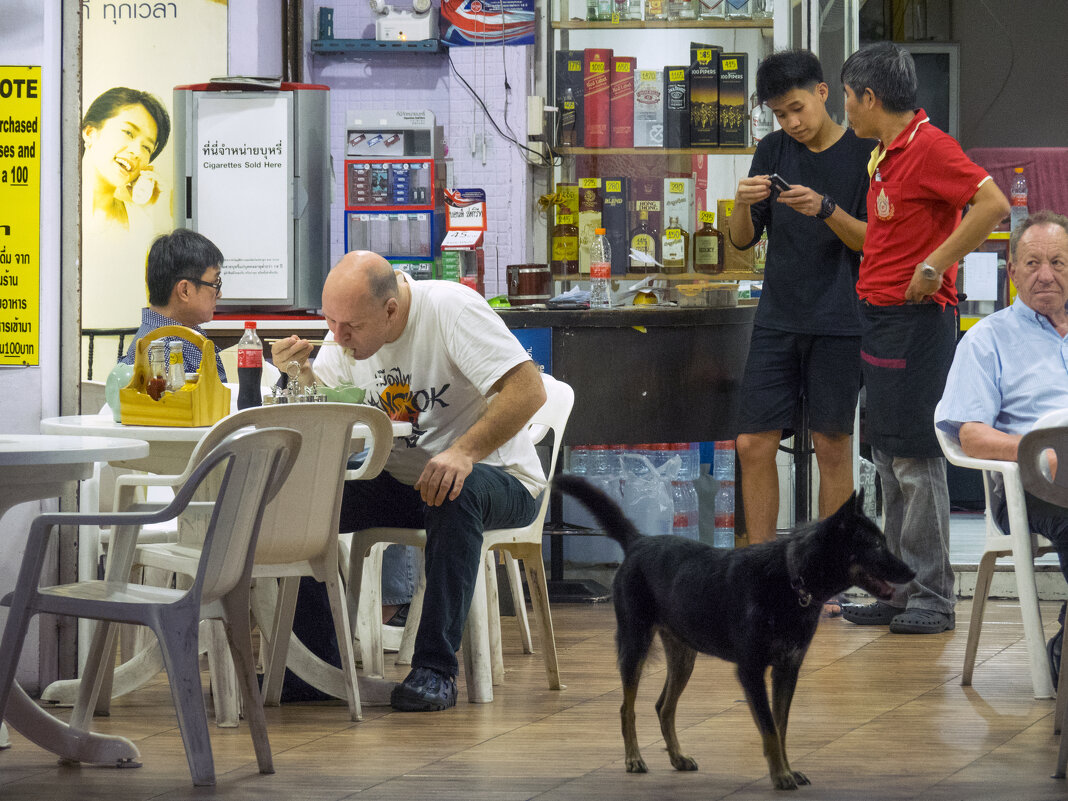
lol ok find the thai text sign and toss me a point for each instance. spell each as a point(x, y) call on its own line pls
point(20, 214)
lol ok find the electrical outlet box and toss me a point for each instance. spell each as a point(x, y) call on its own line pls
point(536, 117)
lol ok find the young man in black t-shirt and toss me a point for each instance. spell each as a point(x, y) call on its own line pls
point(806, 334)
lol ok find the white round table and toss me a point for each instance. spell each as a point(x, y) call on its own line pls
point(170, 449)
point(34, 467)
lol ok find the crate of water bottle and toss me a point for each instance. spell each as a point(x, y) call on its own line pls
point(690, 454)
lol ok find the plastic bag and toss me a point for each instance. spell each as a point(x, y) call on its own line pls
point(647, 498)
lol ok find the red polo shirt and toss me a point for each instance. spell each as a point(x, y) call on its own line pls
point(918, 186)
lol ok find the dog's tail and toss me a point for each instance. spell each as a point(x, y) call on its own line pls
point(603, 508)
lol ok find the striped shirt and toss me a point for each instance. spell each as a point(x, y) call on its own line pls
point(1009, 370)
point(150, 321)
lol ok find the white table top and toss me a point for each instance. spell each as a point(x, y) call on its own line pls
point(104, 425)
point(49, 449)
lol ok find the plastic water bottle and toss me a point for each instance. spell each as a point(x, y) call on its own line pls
point(723, 533)
point(249, 367)
point(684, 497)
point(578, 461)
point(723, 466)
point(600, 271)
point(867, 484)
point(1018, 199)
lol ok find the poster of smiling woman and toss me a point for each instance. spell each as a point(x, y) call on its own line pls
point(133, 55)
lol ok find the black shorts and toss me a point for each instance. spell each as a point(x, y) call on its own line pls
point(782, 365)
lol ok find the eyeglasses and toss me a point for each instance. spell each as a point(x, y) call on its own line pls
point(216, 284)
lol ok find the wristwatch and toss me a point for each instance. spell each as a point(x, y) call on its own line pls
point(929, 273)
point(827, 207)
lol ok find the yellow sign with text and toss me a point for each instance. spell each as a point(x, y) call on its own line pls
point(20, 214)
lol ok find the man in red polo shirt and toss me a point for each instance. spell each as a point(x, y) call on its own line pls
point(920, 180)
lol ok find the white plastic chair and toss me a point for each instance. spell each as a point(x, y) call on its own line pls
point(1022, 546)
point(253, 465)
point(298, 536)
point(483, 665)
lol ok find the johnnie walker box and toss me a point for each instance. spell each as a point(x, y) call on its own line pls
point(733, 77)
point(596, 71)
point(621, 101)
point(569, 76)
point(676, 107)
point(614, 222)
point(704, 94)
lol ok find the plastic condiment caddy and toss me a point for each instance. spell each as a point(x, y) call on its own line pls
point(201, 404)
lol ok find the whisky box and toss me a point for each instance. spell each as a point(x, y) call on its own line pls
point(734, 260)
point(569, 76)
point(621, 101)
point(569, 200)
point(649, 109)
point(589, 218)
point(676, 107)
point(679, 202)
point(647, 194)
point(733, 79)
point(596, 67)
point(704, 95)
point(614, 221)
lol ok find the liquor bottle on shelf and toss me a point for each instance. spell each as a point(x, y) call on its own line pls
point(739, 9)
point(763, 9)
point(675, 247)
point(565, 243)
point(759, 119)
point(604, 10)
point(655, 9)
point(591, 11)
point(568, 118)
point(708, 246)
point(642, 241)
point(634, 9)
point(712, 9)
point(682, 9)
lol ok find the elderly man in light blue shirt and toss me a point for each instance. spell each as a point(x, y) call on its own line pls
point(1012, 368)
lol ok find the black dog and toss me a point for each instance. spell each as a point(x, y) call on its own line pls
point(755, 606)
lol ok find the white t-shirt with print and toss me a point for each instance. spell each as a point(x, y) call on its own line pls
point(436, 376)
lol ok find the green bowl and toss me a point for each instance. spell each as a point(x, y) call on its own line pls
point(344, 394)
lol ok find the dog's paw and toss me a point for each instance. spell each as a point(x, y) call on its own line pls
point(683, 762)
point(636, 765)
point(786, 781)
point(801, 778)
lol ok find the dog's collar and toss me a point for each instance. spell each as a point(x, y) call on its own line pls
point(797, 583)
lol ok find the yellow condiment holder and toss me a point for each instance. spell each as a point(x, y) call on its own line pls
point(203, 404)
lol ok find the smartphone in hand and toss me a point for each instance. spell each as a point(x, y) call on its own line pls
point(778, 184)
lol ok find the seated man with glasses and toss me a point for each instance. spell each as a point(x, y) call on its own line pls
point(182, 274)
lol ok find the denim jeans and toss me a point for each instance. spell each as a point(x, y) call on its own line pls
point(916, 524)
point(490, 498)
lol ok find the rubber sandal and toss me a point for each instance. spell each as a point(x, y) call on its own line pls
point(874, 614)
point(922, 621)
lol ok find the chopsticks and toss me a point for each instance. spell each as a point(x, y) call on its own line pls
point(316, 342)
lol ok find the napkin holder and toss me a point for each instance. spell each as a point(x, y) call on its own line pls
point(201, 404)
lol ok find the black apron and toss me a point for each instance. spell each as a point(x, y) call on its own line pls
point(905, 352)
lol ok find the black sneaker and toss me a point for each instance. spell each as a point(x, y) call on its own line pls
point(424, 690)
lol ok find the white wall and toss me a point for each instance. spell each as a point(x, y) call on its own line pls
point(30, 35)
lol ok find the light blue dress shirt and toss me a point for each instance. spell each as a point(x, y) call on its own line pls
point(1009, 370)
